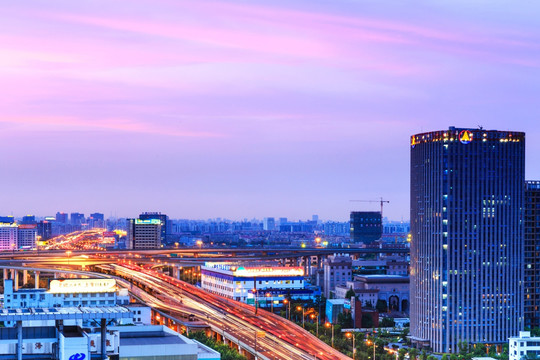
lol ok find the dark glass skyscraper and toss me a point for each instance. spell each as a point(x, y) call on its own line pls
point(467, 197)
point(366, 226)
point(532, 254)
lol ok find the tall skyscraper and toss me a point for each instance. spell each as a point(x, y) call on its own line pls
point(269, 223)
point(61, 217)
point(77, 219)
point(467, 198)
point(532, 254)
point(366, 226)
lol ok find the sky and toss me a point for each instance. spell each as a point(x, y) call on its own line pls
point(241, 109)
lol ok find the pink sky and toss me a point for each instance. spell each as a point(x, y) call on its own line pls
point(245, 109)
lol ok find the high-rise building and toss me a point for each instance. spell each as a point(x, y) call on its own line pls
point(29, 219)
point(77, 219)
point(366, 226)
point(7, 219)
point(8, 236)
point(166, 225)
point(467, 190)
point(143, 234)
point(96, 220)
point(44, 229)
point(532, 254)
point(269, 224)
point(62, 217)
point(26, 236)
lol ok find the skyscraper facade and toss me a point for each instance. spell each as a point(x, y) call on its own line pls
point(467, 198)
point(366, 226)
point(532, 254)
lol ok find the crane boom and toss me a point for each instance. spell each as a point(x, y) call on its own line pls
point(381, 201)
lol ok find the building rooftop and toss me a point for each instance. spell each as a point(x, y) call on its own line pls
point(83, 313)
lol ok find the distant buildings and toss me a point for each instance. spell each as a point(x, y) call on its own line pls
point(366, 226)
point(143, 234)
point(44, 229)
point(532, 252)
point(269, 224)
point(61, 217)
point(467, 196)
point(8, 236)
point(96, 220)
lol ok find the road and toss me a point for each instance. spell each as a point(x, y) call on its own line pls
point(283, 339)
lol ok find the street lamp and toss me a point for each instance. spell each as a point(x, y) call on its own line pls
point(351, 335)
point(313, 318)
point(369, 342)
point(255, 296)
point(199, 243)
point(286, 301)
point(328, 324)
point(271, 302)
point(298, 308)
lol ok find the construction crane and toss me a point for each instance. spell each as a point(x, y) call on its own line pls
point(382, 201)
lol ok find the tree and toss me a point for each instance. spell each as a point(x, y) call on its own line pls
point(401, 354)
point(444, 357)
point(350, 293)
point(423, 355)
point(387, 322)
point(381, 306)
point(367, 321)
point(413, 353)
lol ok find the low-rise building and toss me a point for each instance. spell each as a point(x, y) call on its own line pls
point(337, 271)
point(524, 346)
point(268, 284)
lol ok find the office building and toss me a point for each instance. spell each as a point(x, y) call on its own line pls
point(532, 258)
point(7, 219)
point(28, 219)
point(96, 220)
point(26, 236)
point(61, 218)
point(337, 271)
point(366, 226)
point(467, 196)
point(143, 234)
point(166, 224)
point(44, 229)
point(8, 236)
point(77, 219)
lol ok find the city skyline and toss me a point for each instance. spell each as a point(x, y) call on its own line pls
point(236, 110)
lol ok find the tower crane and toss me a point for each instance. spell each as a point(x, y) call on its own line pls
point(381, 201)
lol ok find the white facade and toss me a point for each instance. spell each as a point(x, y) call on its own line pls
point(8, 236)
point(337, 271)
point(523, 345)
point(271, 283)
point(26, 236)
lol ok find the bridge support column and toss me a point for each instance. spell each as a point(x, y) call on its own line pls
point(19, 340)
point(25, 277)
point(15, 277)
point(5, 271)
point(104, 339)
point(309, 265)
point(36, 280)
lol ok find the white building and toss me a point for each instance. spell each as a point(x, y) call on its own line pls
point(267, 284)
point(524, 345)
point(8, 236)
point(337, 271)
point(72, 293)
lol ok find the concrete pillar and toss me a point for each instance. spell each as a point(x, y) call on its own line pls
point(5, 271)
point(309, 266)
point(15, 281)
point(25, 277)
point(104, 339)
point(36, 280)
point(19, 340)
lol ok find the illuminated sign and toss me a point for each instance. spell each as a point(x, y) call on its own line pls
point(465, 137)
point(269, 271)
point(148, 222)
point(27, 226)
point(82, 286)
point(109, 234)
point(413, 141)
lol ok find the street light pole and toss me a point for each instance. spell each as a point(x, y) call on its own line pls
point(331, 325)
